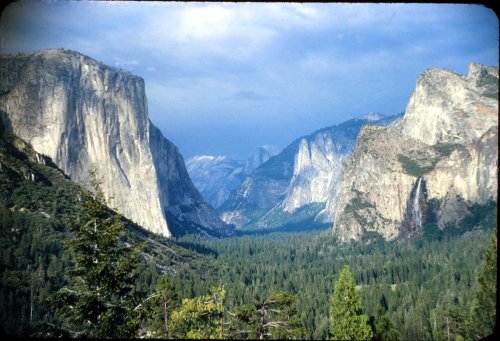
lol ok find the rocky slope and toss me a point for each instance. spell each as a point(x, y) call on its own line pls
point(433, 164)
point(216, 176)
point(80, 112)
point(297, 186)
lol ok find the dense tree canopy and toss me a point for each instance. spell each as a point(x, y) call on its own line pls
point(485, 309)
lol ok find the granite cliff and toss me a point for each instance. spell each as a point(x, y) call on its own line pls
point(429, 167)
point(298, 186)
point(80, 112)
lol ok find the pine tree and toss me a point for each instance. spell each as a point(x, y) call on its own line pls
point(243, 322)
point(100, 300)
point(158, 307)
point(382, 326)
point(347, 321)
point(484, 311)
point(275, 317)
point(201, 317)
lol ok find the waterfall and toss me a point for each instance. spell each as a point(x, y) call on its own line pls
point(417, 214)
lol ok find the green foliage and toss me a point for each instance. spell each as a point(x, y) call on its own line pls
point(432, 232)
point(36, 203)
point(382, 326)
point(275, 317)
point(445, 149)
point(244, 321)
point(100, 300)
point(347, 321)
point(491, 84)
point(450, 322)
point(200, 317)
point(479, 216)
point(413, 167)
point(484, 311)
point(484, 216)
point(32, 256)
point(406, 278)
point(157, 308)
point(420, 162)
point(427, 287)
point(357, 205)
point(372, 237)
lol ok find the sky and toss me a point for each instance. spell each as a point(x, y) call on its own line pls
point(224, 78)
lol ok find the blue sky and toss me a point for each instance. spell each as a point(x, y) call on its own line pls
point(223, 78)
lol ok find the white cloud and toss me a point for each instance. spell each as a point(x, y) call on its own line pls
point(126, 64)
point(208, 22)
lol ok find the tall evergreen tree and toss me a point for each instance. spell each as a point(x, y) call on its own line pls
point(158, 308)
point(484, 311)
point(100, 301)
point(347, 321)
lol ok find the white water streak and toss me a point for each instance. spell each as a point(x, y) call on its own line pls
point(417, 214)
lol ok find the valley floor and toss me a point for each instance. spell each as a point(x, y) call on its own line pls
point(419, 285)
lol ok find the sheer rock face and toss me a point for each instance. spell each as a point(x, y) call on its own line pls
point(298, 184)
point(178, 195)
point(468, 175)
point(447, 107)
point(448, 137)
point(80, 112)
point(316, 167)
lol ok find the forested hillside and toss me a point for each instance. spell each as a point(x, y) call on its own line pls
point(37, 204)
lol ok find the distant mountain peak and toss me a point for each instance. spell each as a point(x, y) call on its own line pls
point(217, 176)
point(299, 183)
point(206, 158)
point(372, 116)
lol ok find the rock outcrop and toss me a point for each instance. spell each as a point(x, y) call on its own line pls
point(437, 161)
point(299, 185)
point(79, 113)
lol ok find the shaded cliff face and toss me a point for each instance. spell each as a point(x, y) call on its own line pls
point(468, 175)
point(217, 176)
point(299, 184)
point(442, 157)
point(178, 196)
point(80, 112)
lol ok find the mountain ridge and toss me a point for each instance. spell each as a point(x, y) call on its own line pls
point(216, 176)
point(288, 180)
